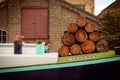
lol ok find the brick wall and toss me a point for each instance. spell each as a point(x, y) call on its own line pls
point(59, 18)
point(14, 19)
point(3, 18)
point(55, 25)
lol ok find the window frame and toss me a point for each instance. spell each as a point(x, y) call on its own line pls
point(3, 34)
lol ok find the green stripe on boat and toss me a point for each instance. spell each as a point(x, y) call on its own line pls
point(85, 57)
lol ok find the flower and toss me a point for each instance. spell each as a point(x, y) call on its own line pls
point(18, 39)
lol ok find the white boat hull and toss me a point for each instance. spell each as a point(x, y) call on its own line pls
point(17, 60)
point(27, 58)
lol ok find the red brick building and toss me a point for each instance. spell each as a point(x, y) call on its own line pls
point(43, 19)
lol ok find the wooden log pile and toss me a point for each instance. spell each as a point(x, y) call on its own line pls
point(82, 38)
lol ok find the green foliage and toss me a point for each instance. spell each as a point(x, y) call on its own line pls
point(39, 42)
point(110, 26)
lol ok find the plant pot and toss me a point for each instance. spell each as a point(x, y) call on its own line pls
point(40, 49)
point(117, 50)
point(17, 48)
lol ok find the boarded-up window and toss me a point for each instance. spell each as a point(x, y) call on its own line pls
point(35, 22)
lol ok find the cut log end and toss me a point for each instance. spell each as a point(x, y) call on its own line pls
point(94, 36)
point(81, 36)
point(63, 51)
point(75, 49)
point(102, 46)
point(88, 46)
point(68, 39)
point(72, 28)
point(90, 27)
point(81, 21)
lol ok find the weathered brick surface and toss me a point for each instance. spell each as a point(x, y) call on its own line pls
point(3, 18)
point(89, 4)
point(60, 16)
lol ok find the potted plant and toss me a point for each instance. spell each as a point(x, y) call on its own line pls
point(117, 50)
point(47, 46)
point(18, 44)
point(40, 47)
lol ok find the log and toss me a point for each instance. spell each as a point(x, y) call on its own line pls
point(90, 27)
point(72, 28)
point(75, 49)
point(63, 51)
point(81, 35)
point(94, 36)
point(68, 39)
point(81, 21)
point(88, 46)
point(102, 46)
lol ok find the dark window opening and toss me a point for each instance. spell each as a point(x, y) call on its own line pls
point(3, 36)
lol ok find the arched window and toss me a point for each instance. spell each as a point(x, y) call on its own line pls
point(3, 36)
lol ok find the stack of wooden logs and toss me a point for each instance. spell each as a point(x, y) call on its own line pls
point(82, 38)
